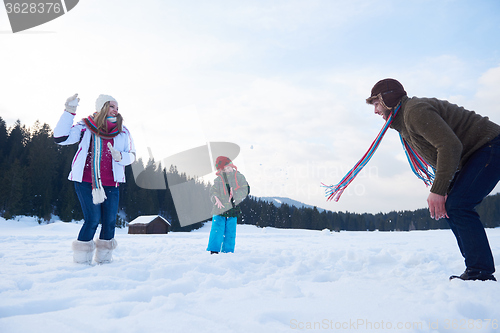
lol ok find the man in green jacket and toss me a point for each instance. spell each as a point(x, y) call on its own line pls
point(463, 148)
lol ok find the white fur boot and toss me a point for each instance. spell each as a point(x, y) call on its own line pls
point(83, 251)
point(104, 252)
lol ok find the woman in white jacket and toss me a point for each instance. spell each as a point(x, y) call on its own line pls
point(105, 148)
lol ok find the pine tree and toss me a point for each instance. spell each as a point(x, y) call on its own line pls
point(12, 187)
point(298, 221)
point(316, 223)
point(16, 142)
point(65, 201)
point(40, 171)
point(15, 184)
point(3, 138)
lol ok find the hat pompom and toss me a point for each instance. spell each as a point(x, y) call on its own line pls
point(101, 100)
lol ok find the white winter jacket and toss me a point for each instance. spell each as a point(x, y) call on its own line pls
point(66, 133)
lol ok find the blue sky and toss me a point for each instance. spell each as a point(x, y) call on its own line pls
point(285, 80)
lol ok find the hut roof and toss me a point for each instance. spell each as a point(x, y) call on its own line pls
point(145, 219)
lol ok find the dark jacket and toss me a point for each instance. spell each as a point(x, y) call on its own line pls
point(235, 181)
point(445, 135)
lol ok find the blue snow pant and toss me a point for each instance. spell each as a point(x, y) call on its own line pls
point(222, 234)
point(472, 184)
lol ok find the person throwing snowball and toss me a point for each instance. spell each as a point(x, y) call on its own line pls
point(105, 147)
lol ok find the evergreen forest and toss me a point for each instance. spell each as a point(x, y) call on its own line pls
point(33, 182)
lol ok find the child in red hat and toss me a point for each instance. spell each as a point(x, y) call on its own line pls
point(228, 191)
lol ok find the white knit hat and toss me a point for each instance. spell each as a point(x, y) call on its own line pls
point(101, 100)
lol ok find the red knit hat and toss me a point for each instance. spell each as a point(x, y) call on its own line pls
point(388, 91)
point(222, 161)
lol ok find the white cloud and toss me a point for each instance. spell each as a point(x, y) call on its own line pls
point(487, 94)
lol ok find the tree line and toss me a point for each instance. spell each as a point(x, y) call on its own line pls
point(266, 214)
point(33, 182)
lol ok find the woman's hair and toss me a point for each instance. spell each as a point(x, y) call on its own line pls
point(101, 117)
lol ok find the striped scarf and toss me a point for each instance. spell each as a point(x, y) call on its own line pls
point(92, 126)
point(420, 167)
point(98, 194)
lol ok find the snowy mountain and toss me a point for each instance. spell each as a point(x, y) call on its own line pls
point(278, 201)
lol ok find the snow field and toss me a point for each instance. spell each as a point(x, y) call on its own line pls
point(276, 281)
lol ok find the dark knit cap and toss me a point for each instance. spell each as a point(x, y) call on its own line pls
point(389, 91)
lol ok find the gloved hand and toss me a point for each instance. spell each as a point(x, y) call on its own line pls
point(72, 103)
point(117, 156)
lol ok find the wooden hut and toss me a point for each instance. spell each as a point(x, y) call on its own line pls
point(149, 224)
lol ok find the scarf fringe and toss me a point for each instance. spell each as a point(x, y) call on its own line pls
point(98, 195)
point(417, 164)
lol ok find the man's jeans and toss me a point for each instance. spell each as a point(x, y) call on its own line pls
point(92, 214)
point(222, 234)
point(472, 184)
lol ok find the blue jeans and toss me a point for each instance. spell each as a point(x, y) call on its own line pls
point(92, 214)
point(472, 184)
point(222, 234)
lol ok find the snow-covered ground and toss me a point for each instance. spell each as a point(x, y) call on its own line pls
point(276, 281)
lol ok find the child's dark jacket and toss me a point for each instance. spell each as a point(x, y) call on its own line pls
point(240, 188)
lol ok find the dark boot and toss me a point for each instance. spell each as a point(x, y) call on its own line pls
point(470, 275)
point(214, 252)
